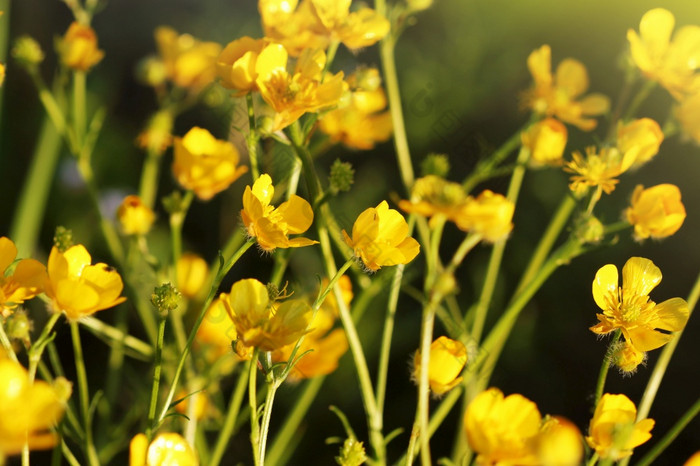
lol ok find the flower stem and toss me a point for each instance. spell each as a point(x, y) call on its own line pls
point(253, 403)
point(273, 385)
point(6, 344)
point(251, 138)
point(90, 452)
point(156, 378)
point(148, 186)
point(79, 108)
point(389, 320)
point(604, 368)
point(641, 96)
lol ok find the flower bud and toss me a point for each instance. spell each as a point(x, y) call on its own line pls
point(656, 212)
point(447, 359)
point(352, 453)
point(63, 238)
point(78, 48)
point(559, 443)
point(626, 357)
point(640, 137)
point(342, 176)
point(546, 141)
point(192, 273)
point(435, 164)
point(134, 216)
point(19, 326)
point(589, 229)
point(27, 51)
point(489, 215)
point(165, 298)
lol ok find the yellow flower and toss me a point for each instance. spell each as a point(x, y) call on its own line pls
point(489, 214)
point(360, 122)
point(78, 48)
point(134, 216)
point(556, 95)
point(693, 460)
point(559, 443)
point(656, 212)
point(688, 115)
point(204, 164)
point(78, 288)
point(271, 227)
point(189, 63)
point(644, 324)
point(546, 141)
point(290, 96)
point(672, 63)
point(2, 74)
point(217, 336)
point(262, 323)
point(24, 282)
point(380, 237)
point(201, 403)
point(239, 62)
point(639, 139)
point(447, 359)
point(158, 134)
point(433, 196)
point(613, 432)
point(627, 358)
point(598, 170)
point(28, 410)
point(192, 273)
point(502, 430)
point(165, 450)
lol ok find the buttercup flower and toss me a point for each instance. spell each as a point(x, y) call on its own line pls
point(598, 169)
point(239, 62)
point(271, 227)
point(192, 272)
point(672, 63)
point(559, 443)
point(28, 410)
point(613, 432)
point(165, 450)
point(24, 282)
point(290, 96)
point(262, 323)
point(380, 237)
point(546, 140)
point(189, 63)
point(502, 430)
point(688, 115)
point(693, 460)
point(433, 196)
point(204, 164)
point(656, 212)
point(78, 47)
point(644, 324)
point(447, 359)
point(78, 288)
point(556, 95)
point(489, 214)
point(134, 216)
point(639, 139)
point(217, 337)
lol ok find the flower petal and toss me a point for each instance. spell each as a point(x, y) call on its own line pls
point(571, 76)
point(671, 315)
point(655, 28)
point(605, 283)
point(639, 277)
point(297, 214)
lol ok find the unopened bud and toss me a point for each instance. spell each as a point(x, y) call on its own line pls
point(435, 164)
point(165, 298)
point(589, 229)
point(342, 176)
point(27, 51)
point(19, 326)
point(151, 71)
point(352, 453)
point(63, 238)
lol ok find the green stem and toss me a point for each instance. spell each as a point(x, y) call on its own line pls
point(177, 219)
point(392, 305)
point(422, 415)
point(38, 346)
point(251, 138)
point(593, 460)
point(234, 408)
point(253, 404)
point(79, 107)
point(641, 96)
point(605, 367)
point(115, 334)
point(671, 435)
point(31, 206)
point(6, 344)
point(81, 374)
point(273, 385)
point(156, 378)
point(148, 186)
point(207, 302)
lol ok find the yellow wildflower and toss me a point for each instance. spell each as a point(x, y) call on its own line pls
point(189, 63)
point(556, 95)
point(290, 96)
point(24, 282)
point(656, 212)
point(644, 324)
point(546, 141)
point(134, 216)
point(693, 460)
point(627, 358)
point(2, 73)
point(489, 214)
point(217, 335)
point(271, 227)
point(28, 410)
point(239, 62)
point(204, 164)
point(78, 288)
point(447, 359)
point(559, 443)
point(158, 133)
point(502, 430)
point(688, 115)
point(166, 449)
point(380, 237)
point(613, 432)
point(192, 273)
point(433, 196)
point(201, 403)
point(639, 139)
point(263, 323)
point(598, 169)
point(78, 47)
point(671, 63)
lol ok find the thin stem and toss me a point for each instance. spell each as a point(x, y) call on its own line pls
point(114, 334)
point(422, 415)
point(81, 374)
point(385, 349)
point(641, 96)
point(156, 378)
point(177, 219)
point(671, 435)
point(252, 137)
point(6, 344)
point(234, 408)
point(148, 186)
point(273, 385)
point(253, 403)
point(79, 108)
point(605, 367)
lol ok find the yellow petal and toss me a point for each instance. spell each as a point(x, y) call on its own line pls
point(571, 76)
point(639, 276)
point(297, 214)
point(655, 28)
point(645, 338)
point(271, 59)
point(605, 284)
point(107, 282)
point(595, 104)
point(8, 252)
point(671, 315)
point(75, 299)
point(137, 450)
point(539, 62)
point(77, 257)
point(263, 189)
point(249, 296)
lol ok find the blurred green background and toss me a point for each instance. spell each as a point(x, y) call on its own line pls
point(462, 70)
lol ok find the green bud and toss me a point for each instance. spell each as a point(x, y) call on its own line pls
point(589, 229)
point(352, 453)
point(63, 388)
point(445, 284)
point(63, 238)
point(165, 298)
point(27, 51)
point(342, 176)
point(173, 202)
point(435, 164)
point(19, 326)
point(151, 71)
